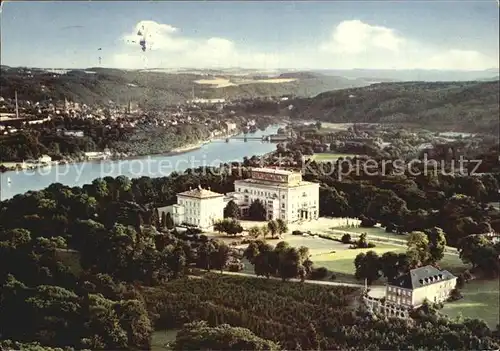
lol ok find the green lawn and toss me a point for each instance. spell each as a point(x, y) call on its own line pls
point(373, 231)
point(326, 156)
point(162, 337)
point(481, 300)
point(342, 261)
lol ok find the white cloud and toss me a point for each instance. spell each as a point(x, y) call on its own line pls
point(354, 44)
point(354, 37)
point(165, 47)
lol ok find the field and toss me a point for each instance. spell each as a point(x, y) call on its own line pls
point(161, 338)
point(335, 126)
point(222, 82)
point(481, 300)
point(326, 156)
point(372, 232)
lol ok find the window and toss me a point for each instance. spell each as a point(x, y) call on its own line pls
point(282, 205)
point(282, 196)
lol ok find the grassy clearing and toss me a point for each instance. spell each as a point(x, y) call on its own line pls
point(162, 337)
point(342, 261)
point(70, 258)
point(335, 126)
point(481, 300)
point(327, 156)
point(374, 232)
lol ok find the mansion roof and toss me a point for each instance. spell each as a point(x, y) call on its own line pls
point(200, 193)
point(422, 276)
point(270, 184)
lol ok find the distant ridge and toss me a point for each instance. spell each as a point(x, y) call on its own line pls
point(97, 85)
point(458, 106)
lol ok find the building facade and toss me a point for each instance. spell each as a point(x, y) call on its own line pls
point(196, 207)
point(283, 193)
point(420, 284)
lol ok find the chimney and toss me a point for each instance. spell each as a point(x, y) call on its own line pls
point(17, 106)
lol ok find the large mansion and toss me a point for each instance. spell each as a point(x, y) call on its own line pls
point(283, 193)
point(196, 207)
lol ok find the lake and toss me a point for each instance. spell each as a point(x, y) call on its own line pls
point(77, 174)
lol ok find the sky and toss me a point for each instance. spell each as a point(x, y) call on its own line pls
point(445, 35)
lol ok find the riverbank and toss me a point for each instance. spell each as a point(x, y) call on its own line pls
point(21, 166)
point(211, 154)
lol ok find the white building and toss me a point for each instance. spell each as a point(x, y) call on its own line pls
point(283, 193)
point(231, 126)
point(74, 133)
point(196, 207)
point(45, 159)
point(414, 287)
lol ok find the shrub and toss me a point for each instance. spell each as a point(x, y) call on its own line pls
point(390, 228)
point(455, 295)
point(346, 239)
point(333, 276)
point(296, 232)
point(236, 266)
point(371, 245)
point(467, 275)
point(319, 273)
point(367, 222)
point(193, 231)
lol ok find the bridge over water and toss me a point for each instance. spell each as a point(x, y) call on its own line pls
point(269, 138)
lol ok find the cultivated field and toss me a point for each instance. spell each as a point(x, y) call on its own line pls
point(327, 156)
point(223, 82)
point(336, 126)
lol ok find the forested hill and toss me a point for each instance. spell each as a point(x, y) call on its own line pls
point(460, 106)
point(152, 88)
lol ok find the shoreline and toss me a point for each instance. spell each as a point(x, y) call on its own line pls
point(174, 152)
